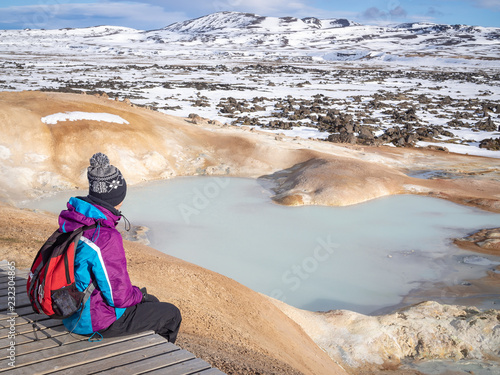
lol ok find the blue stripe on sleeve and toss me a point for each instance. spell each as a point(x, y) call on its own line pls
point(100, 272)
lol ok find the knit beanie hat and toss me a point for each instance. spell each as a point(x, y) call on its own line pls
point(105, 180)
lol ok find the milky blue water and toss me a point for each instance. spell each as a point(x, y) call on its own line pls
point(364, 257)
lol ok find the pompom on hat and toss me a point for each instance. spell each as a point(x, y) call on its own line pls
point(105, 180)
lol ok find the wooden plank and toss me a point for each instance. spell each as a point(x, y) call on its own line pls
point(17, 282)
point(18, 277)
point(7, 291)
point(21, 319)
point(5, 267)
point(150, 364)
point(27, 326)
point(29, 318)
point(80, 353)
point(20, 312)
point(4, 273)
point(30, 345)
point(43, 334)
point(121, 360)
point(73, 349)
point(183, 368)
point(21, 273)
point(6, 283)
point(7, 318)
point(32, 336)
point(21, 301)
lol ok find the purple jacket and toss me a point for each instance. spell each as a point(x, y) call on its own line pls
point(100, 257)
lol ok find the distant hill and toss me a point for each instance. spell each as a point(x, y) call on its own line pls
point(230, 34)
point(224, 21)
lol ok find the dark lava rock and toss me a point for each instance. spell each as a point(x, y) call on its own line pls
point(366, 133)
point(342, 137)
point(457, 124)
point(490, 144)
point(487, 125)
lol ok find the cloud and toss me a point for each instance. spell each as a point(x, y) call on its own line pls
point(373, 13)
point(398, 12)
point(261, 7)
point(272, 8)
point(488, 4)
point(54, 14)
point(381, 16)
point(433, 12)
point(197, 8)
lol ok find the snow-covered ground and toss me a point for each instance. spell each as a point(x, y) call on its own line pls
point(76, 115)
point(279, 73)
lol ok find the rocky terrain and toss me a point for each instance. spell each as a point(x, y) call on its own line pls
point(485, 241)
point(39, 158)
point(429, 111)
point(408, 85)
point(424, 331)
point(221, 316)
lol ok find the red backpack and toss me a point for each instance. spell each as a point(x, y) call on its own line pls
point(51, 281)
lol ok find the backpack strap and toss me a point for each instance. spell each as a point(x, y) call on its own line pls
point(85, 228)
point(88, 227)
point(87, 292)
point(90, 288)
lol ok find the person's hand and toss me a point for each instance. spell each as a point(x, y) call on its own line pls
point(144, 294)
point(148, 297)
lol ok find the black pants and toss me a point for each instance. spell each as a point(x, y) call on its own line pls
point(161, 317)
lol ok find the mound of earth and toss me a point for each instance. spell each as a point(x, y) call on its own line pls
point(424, 331)
point(39, 158)
point(486, 241)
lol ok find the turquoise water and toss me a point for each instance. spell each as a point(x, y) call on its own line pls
point(364, 257)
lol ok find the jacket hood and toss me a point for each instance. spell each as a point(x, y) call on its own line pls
point(80, 213)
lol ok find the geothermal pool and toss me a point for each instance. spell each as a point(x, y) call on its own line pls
point(363, 258)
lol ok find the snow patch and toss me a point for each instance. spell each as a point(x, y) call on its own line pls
point(75, 116)
point(5, 153)
point(462, 149)
point(416, 189)
point(35, 158)
point(296, 131)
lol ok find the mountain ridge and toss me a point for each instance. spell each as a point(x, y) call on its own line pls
point(223, 20)
point(233, 35)
point(311, 36)
point(229, 19)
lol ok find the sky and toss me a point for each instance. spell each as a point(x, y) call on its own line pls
point(155, 14)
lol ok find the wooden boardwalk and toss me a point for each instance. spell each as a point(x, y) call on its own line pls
point(45, 347)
